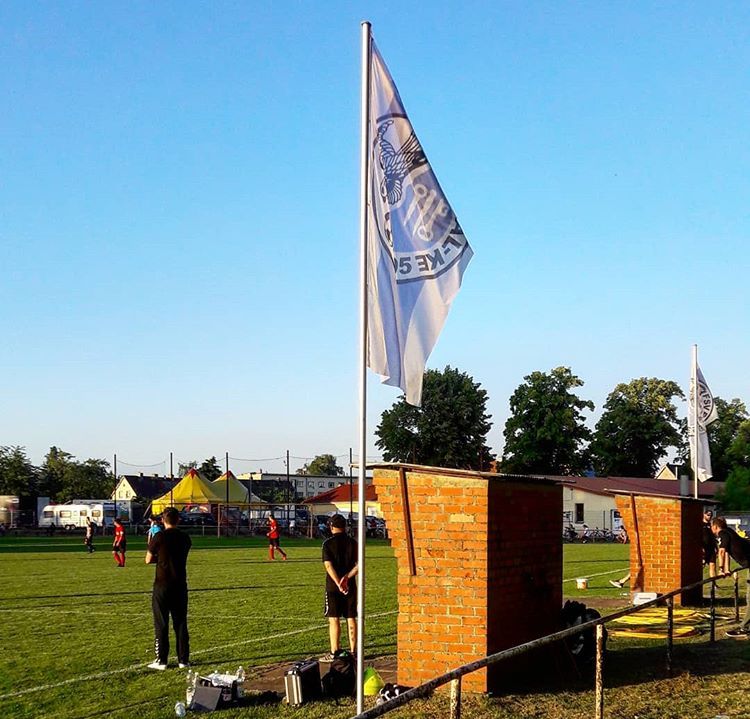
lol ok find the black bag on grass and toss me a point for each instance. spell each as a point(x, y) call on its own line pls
point(341, 677)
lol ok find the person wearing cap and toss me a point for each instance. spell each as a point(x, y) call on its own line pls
point(340, 562)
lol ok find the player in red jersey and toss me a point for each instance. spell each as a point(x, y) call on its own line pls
point(119, 545)
point(273, 538)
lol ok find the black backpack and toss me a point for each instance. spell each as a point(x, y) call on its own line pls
point(341, 677)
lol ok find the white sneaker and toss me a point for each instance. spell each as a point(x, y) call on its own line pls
point(157, 665)
point(183, 666)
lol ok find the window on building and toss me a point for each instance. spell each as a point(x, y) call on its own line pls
point(84, 512)
point(579, 513)
point(331, 485)
point(48, 513)
point(321, 485)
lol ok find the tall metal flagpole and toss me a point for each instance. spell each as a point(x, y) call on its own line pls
point(362, 462)
point(696, 395)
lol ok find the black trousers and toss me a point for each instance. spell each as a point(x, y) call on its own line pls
point(166, 600)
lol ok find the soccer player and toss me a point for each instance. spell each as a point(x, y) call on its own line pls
point(734, 546)
point(119, 545)
point(169, 551)
point(340, 562)
point(273, 538)
point(89, 538)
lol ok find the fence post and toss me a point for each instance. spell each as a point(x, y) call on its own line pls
point(599, 711)
point(670, 633)
point(456, 698)
point(712, 636)
point(737, 597)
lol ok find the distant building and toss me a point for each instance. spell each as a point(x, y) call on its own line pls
point(130, 487)
point(301, 486)
point(590, 500)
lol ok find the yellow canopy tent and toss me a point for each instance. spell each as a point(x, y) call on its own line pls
point(191, 489)
point(237, 491)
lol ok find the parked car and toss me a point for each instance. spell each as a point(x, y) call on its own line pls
point(197, 519)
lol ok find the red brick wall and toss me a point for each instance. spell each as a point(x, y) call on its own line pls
point(489, 569)
point(670, 544)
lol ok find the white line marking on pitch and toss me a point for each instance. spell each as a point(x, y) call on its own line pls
point(141, 614)
point(601, 574)
point(140, 667)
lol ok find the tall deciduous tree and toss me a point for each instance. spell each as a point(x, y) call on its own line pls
point(18, 476)
point(722, 433)
point(735, 495)
point(638, 426)
point(210, 469)
point(545, 433)
point(322, 464)
point(449, 429)
point(184, 467)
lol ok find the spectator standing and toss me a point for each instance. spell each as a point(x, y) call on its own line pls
point(708, 541)
point(734, 546)
point(340, 562)
point(273, 538)
point(88, 540)
point(169, 551)
point(120, 543)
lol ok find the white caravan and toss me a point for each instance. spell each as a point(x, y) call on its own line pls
point(72, 516)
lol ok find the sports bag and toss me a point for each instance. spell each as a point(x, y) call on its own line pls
point(341, 677)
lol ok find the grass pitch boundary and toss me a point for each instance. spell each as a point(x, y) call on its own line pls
point(141, 667)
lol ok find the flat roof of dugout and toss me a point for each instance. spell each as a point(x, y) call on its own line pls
point(466, 473)
point(656, 495)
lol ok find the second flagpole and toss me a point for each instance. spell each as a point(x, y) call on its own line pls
point(694, 410)
point(363, 269)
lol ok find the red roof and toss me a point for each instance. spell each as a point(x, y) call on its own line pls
point(341, 494)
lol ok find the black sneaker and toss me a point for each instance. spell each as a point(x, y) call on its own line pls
point(738, 633)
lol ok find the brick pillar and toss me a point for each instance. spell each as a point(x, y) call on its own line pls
point(670, 544)
point(488, 561)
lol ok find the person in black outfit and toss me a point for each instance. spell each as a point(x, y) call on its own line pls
point(169, 551)
point(708, 540)
point(340, 562)
point(734, 546)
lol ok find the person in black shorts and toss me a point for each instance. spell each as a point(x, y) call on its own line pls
point(340, 562)
point(734, 546)
point(708, 540)
point(169, 551)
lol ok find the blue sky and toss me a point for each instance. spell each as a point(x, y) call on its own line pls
point(178, 210)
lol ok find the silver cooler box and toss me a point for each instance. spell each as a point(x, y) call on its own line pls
point(302, 682)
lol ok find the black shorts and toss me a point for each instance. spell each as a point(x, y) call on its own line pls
point(709, 555)
point(121, 547)
point(340, 605)
point(274, 542)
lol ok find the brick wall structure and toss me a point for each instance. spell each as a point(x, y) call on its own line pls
point(669, 540)
point(487, 555)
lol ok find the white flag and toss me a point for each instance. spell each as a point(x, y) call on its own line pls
point(706, 413)
point(417, 252)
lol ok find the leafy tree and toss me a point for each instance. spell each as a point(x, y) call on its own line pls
point(184, 467)
point(722, 434)
point(210, 469)
point(63, 478)
point(449, 429)
point(18, 476)
point(53, 472)
point(545, 433)
point(735, 495)
point(322, 464)
point(639, 424)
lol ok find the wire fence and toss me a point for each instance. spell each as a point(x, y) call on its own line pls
point(454, 677)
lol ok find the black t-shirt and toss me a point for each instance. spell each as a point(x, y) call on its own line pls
point(708, 540)
point(171, 547)
point(341, 551)
point(738, 548)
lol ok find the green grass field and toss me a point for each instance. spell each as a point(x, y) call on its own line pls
point(76, 630)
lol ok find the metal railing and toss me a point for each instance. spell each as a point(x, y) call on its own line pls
point(455, 675)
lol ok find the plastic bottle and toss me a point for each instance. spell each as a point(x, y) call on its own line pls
point(191, 679)
point(240, 682)
point(180, 710)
